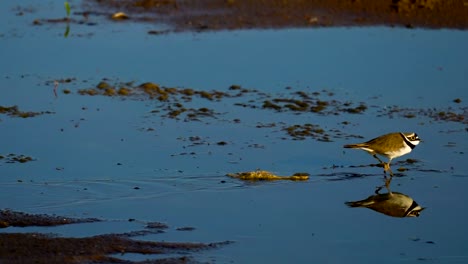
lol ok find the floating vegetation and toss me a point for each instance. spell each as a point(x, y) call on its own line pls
point(357, 110)
point(187, 104)
point(261, 175)
point(152, 90)
point(268, 104)
point(171, 97)
point(197, 141)
point(450, 114)
point(301, 102)
point(301, 132)
point(15, 112)
point(319, 106)
point(103, 85)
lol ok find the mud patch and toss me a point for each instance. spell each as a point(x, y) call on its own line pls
point(48, 248)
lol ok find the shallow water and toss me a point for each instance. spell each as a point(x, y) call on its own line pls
point(92, 152)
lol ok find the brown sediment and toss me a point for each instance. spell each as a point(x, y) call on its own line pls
point(43, 248)
point(47, 248)
point(199, 15)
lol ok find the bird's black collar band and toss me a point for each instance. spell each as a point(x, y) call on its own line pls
point(411, 145)
point(413, 205)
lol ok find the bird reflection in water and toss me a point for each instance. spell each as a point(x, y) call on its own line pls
point(391, 203)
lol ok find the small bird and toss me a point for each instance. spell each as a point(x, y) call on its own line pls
point(391, 145)
point(392, 204)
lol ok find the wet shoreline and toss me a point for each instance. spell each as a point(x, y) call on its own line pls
point(202, 15)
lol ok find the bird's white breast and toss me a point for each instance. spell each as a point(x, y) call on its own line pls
point(398, 152)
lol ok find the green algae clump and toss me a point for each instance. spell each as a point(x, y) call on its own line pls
point(261, 175)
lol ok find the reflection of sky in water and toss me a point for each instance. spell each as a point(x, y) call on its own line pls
point(412, 68)
point(376, 61)
point(363, 62)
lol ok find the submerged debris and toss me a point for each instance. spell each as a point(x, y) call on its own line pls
point(261, 175)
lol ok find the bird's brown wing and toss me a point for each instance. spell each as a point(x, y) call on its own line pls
point(359, 145)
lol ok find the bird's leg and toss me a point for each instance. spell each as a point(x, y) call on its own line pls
point(390, 170)
point(387, 184)
point(377, 158)
point(386, 165)
point(377, 190)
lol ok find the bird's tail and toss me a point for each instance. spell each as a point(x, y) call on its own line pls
point(353, 146)
point(357, 203)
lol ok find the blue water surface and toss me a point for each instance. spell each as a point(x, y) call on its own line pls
point(92, 152)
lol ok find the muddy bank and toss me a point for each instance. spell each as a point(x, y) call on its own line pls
point(233, 14)
point(44, 248)
point(49, 248)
